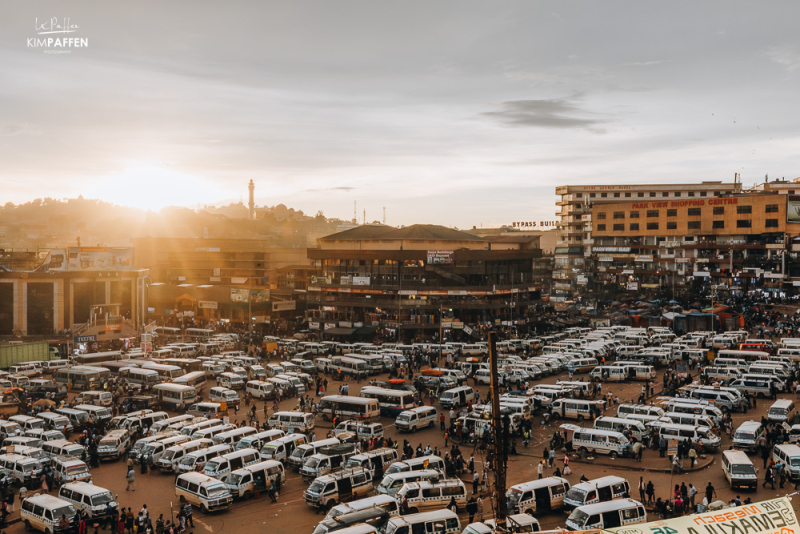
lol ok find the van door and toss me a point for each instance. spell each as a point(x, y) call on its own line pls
point(543, 500)
point(345, 489)
point(604, 493)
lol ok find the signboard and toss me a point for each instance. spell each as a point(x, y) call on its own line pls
point(284, 305)
point(345, 280)
point(216, 271)
point(313, 326)
point(342, 324)
point(440, 257)
point(672, 448)
point(467, 330)
point(534, 224)
point(361, 280)
point(85, 339)
point(605, 258)
point(239, 280)
point(239, 294)
point(773, 275)
point(147, 347)
point(259, 295)
point(112, 327)
point(91, 259)
point(643, 258)
point(766, 517)
point(207, 304)
point(702, 274)
point(793, 208)
point(611, 249)
point(681, 260)
point(632, 286)
point(583, 279)
point(457, 325)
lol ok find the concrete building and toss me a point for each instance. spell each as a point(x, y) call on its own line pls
point(575, 206)
point(419, 278)
point(215, 279)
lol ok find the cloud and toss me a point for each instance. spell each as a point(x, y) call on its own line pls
point(785, 55)
point(554, 113)
point(340, 188)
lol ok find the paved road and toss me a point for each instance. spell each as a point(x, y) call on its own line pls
point(291, 514)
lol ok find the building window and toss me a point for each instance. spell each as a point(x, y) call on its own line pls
point(652, 194)
point(771, 223)
point(694, 225)
point(635, 227)
point(652, 213)
point(627, 195)
point(619, 214)
point(702, 193)
point(593, 195)
point(601, 227)
point(719, 210)
point(772, 208)
point(672, 225)
point(664, 194)
point(603, 195)
point(678, 194)
point(744, 210)
point(641, 195)
point(616, 195)
point(578, 195)
point(672, 213)
point(744, 223)
point(619, 227)
point(652, 226)
point(601, 215)
point(718, 224)
point(634, 215)
point(791, 191)
point(694, 212)
point(691, 193)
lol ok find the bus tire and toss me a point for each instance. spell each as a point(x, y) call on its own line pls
point(613, 455)
point(324, 417)
point(580, 418)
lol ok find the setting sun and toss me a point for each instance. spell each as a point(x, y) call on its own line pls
point(155, 187)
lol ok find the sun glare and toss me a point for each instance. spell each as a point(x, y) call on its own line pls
point(155, 187)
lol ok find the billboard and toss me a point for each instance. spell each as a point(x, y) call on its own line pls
point(78, 259)
point(284, 305)
point(259, 295)
point(207, 304)
point(239, 294)
point(361, 280)
point(440, 257)
point(793, 208)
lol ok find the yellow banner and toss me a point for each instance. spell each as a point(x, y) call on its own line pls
point(767, 517)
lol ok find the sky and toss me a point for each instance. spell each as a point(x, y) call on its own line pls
point(456, 113)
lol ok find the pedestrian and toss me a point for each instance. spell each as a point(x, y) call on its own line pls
point(692, 493)
point(187, 510)
point(539, 468)
point(642, 490)
point(710, 493)
point(472, 508)
point(131, 477)
point(476, 479)
point(552, 457)
point(650, 492)
point(480, 508)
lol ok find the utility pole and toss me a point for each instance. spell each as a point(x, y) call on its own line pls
point(500, 431)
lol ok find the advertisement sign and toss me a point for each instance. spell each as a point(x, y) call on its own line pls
point(313, 326)
point(112, 327)
point(583, 279)
point(440, 257)
point(207, 304)
point(259, 295)
point(345, 280)
point(91, 259)
point(643, 258)
point(85, 339)
point(632, 286)
point(284, 305)
point(467, 330)
point(701, 273)
point(765, 517)
point(361, 280)
point(793, 208)
point(681, 260)
point(239, 294)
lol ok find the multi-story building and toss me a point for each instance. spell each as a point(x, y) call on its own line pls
point(739, 240)
point(576, 204)
point(220, 279)
point(420, 278)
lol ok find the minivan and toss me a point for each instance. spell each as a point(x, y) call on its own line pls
point(574, 408)
point(540, 496)
point(425, 495)
point(747, 435)
point(258, 440)
point(92, 499)
point(392, 482)
point(221, 465)
point(593, 441)
point(280, 449)
point(191, 460)
point(635, 428)
point(605, 515)
point(384, 502)
point(151, 452)
point(114, 444)
point(456, 397)
point(198, 489)
point(789, 455)
point(375, 460)
point(439, 521)
point(226, 395)
point(598, 490)
point(739, 470)
point(334, 488)
point(43, 512)
point(174, 454)
point(416, 464)
point(692, 434)
point(292, 421)
point(781, 410)
point(302, 452)
point(254, 478)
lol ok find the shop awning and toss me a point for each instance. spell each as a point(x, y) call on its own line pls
point(366, 330)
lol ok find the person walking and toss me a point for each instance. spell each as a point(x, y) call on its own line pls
point(650, 492)
point(642, 490)
point(131, 477)
point(472, 508)
point(476, 479)
point(692, 493)
point(187, 510)
point(710, 493)
point(539, 468)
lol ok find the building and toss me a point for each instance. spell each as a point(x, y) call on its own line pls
point(739, 241)
point(576, 204)
point(219, 279)
point(95, 292)
point(418, 279)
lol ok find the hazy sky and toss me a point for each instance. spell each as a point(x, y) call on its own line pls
point(455, 113)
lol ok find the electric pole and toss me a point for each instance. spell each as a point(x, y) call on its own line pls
point(500, 435)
